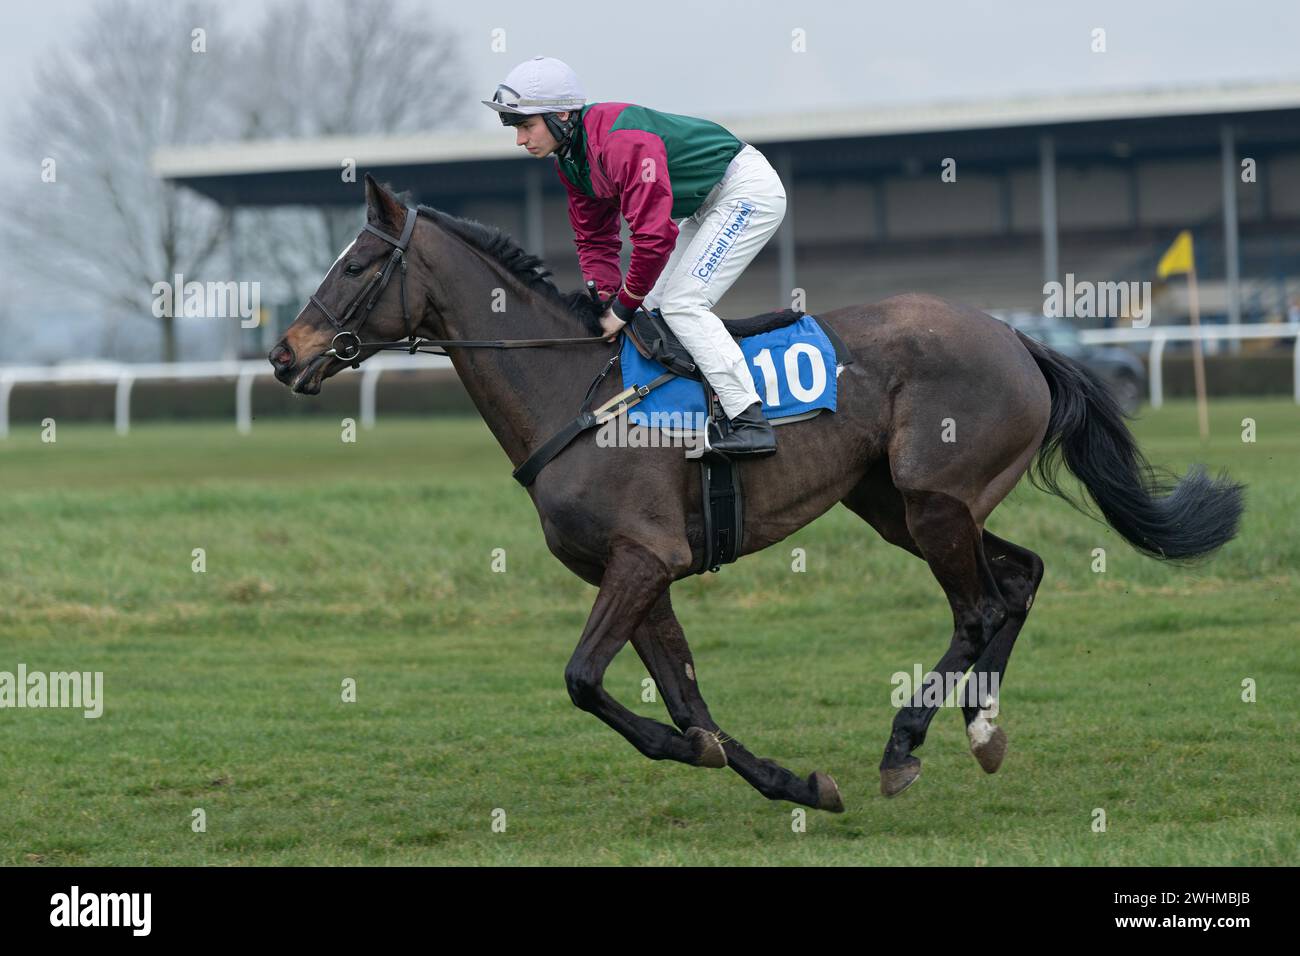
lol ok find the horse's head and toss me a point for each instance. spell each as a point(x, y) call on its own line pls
point(363, 295)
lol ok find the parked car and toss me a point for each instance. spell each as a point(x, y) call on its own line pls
point(1119, 368)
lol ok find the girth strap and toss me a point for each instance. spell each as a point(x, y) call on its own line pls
point(587, 418)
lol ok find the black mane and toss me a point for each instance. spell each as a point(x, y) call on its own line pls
point(523, 265)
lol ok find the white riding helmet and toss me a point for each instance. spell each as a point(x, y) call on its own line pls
point(540, 85)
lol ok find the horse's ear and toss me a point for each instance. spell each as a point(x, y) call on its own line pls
point(382, 207)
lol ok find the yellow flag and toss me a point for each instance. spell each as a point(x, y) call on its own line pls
point(1178, 258)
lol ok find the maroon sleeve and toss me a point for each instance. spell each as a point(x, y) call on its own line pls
point(595, 233)
point(637, 161)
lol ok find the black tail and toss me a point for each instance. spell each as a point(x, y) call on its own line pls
point(1155, 511)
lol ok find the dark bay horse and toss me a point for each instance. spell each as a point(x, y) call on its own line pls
point(943, 411)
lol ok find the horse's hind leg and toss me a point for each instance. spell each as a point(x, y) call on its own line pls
point(1018, 572)
point(662, 646)
point(949, 540)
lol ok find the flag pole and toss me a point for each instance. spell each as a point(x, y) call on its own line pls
point(1198, 355)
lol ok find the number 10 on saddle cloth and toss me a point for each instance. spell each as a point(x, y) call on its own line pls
point(794, 370)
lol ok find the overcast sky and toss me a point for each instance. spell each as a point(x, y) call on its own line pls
point(728, 57)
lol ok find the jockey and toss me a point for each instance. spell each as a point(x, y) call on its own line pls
point(700, 205)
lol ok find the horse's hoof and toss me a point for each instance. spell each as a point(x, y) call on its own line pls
point(894, 780)
point(828, 792)
point(988, 744)
point(708, 751)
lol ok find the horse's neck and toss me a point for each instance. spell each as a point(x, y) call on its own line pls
point(524, 395)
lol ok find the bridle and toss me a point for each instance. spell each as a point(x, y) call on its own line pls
point(346, 345)
point(374, 288)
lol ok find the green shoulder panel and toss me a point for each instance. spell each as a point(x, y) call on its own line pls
point(699, 152)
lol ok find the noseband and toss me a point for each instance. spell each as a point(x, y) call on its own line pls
point(346, 344)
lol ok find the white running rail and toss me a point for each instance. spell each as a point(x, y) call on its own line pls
point(125, 375)
point(1159, 335)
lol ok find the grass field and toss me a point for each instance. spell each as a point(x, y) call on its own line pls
point(373, 561)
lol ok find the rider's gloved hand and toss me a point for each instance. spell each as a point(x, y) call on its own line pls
point(621, 309)
point(611, 323)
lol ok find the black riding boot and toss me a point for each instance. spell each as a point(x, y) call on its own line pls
point(749, 433)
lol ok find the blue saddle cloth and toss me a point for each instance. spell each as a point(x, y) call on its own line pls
point(793, 368)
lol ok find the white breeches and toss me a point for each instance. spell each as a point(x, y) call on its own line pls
point(713, 248)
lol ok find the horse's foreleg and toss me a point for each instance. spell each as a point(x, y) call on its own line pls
point(661, 644)
point(634, 579)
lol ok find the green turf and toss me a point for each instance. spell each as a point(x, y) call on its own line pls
point(373, 561)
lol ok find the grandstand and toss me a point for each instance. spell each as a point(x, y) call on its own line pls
point(1095, 185)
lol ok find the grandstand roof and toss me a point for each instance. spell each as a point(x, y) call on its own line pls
point(1131, 121)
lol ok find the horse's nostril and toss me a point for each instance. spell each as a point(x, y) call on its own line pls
point(280, 355)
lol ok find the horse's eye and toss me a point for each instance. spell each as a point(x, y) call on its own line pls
point(353, 270)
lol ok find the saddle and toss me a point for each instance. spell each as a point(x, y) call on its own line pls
point(721, 492)
point(652, 337)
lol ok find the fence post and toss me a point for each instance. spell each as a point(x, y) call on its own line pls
point(6, 386)
point(122, 404)
point(244, 401)
point(1295, 365)
point(1155, 374)
point(369, 383)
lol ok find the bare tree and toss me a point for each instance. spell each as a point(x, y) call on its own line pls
point(332, 69)
point(95, 223)
point(139, 77)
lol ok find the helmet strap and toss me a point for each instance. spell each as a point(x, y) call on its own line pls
point(562, 131)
